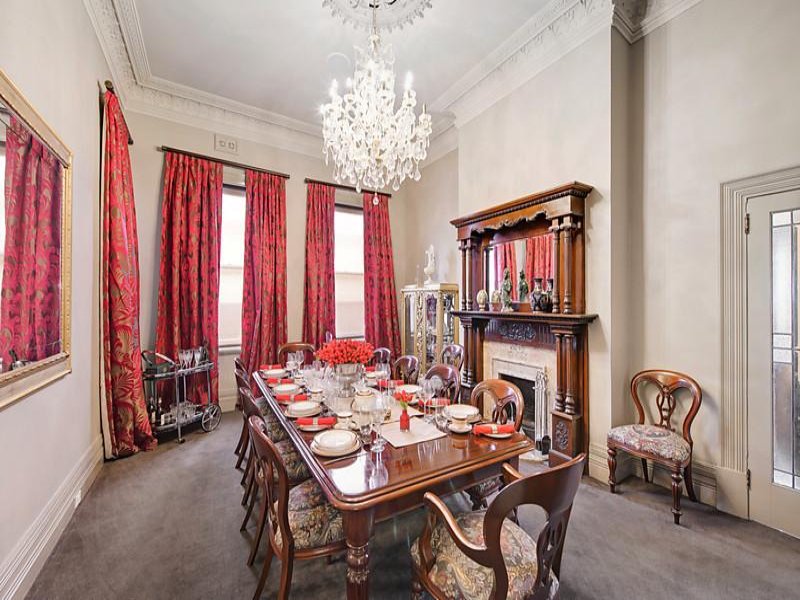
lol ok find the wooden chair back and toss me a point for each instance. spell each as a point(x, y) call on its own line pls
point(667, 382)
point(507, 399)
point(239, 364)
point(451, 380)
point(304, 347)
point(406, 368)
point(453, 354)
point(272, 477)
point(249, 406)
point(242, 382)
point(554, 490)
point(381, 355)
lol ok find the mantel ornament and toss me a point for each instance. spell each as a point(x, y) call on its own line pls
point(430, 264)
point(505, 291)
point(483, 299)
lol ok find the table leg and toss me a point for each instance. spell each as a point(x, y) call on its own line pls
point(357, 531)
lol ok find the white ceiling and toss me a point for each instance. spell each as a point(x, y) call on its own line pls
point(280, 56)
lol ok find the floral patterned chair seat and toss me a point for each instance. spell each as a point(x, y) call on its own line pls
point(275, 430)
point(457, 576)
point(652, 439)
point(296, 469)
point(313, 520)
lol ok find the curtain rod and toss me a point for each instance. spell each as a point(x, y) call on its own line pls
point(342, 186)
point(222, 161)
point(110, 87)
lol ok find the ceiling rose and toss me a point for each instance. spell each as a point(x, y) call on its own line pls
point(391, 14)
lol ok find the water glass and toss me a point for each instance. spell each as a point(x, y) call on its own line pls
point(379, 406)
point(427, 394)
point(362, 414)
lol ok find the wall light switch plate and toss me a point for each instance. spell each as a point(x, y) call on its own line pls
point(224, 143)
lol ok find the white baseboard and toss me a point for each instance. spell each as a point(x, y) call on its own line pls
point(227, 402)
point(19, 570)
point(704, 475)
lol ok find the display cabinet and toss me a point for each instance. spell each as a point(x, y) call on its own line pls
point(428, 323)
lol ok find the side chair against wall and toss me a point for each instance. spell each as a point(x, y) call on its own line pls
point(381, 355)
point(451, 380)
point(305, 347)
point(659, 442)
point(406, 368)
point(237, 362)
point(508, 404)
point(301, 524)
point(296, 467)
point(485, 554)
point(453, 354)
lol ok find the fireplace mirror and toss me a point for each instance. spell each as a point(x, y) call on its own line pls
point(35, 167)
point(529, 258)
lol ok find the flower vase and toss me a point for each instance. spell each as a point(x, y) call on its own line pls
point(347, 374)
point(405, 420)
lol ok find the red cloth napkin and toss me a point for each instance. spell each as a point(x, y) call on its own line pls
point(370, 369)
point(268, 367)
point(385, 382)
point(493, 428)
point(290, 398)
point(276, 380)
point(435, 402)
point(316, 421)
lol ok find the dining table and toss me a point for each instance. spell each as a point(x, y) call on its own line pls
point(368, 487)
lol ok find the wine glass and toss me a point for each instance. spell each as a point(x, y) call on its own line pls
point(362, 413)
point(427, 393)
point(379, 406)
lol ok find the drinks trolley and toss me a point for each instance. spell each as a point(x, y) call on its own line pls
point(157, 368)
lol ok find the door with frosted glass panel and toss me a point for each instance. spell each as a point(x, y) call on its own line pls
point(773, 340)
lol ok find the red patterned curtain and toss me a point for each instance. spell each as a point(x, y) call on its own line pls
point(319, 311)
point(31, 288)
point(539, 258)
point(126, 424)
point(188, 291)
point(264, 301)
point(505, 257)
point(381, 326)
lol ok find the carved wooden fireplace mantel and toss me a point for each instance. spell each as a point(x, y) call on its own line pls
point(559, 212)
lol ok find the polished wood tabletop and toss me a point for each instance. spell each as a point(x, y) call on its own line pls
point(368, 487)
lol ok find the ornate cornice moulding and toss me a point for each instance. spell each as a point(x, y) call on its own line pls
point(557, 29)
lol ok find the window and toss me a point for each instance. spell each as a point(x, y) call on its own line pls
point(348, 258)
point(231, 280)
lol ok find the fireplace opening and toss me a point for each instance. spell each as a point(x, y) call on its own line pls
point(533, 394)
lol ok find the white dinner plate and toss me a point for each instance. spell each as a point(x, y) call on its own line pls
point(371, 375)
point(286, 388)
point(459, 428)
point(275, 372)
point(462, 412)
point(408, 388)
point(335, 453)
point(313, 428)
point(304, 408)
point(499, 436)
point(335, 440)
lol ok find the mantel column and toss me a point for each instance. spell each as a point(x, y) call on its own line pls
point(462, 246)
point(560, 370)
point(567, 230)
point(555, 230)
point(470, 244)
point(571, 403)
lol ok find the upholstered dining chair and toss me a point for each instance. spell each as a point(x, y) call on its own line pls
point(508, 405)
point(406, 368)
point(239, 364)
point(659, 442)
point(381, 355)
point(242, 381)
point(296, 468)
point(451, 380)
point(307, 349)
point(301, 524)
point(453, 354)
point(484, 554)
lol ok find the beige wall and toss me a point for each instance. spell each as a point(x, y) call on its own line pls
point(719, 88)
point(431, 203)
point(147, 163)
point(50, 441)
point(555, 129)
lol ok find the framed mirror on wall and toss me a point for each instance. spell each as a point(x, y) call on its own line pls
point(35, 249)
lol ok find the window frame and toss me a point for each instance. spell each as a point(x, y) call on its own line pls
point(231, 348)
point(341, 206)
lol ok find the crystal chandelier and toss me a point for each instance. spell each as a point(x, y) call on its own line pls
point(371, 144)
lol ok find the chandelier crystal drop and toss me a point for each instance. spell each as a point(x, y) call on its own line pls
point(370, 143)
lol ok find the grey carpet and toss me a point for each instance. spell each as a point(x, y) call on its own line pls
point(165, 524)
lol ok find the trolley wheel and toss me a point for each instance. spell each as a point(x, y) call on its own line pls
point(212, 415)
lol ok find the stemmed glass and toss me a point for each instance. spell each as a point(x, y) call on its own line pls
point(379, 405)
point(428, 392)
